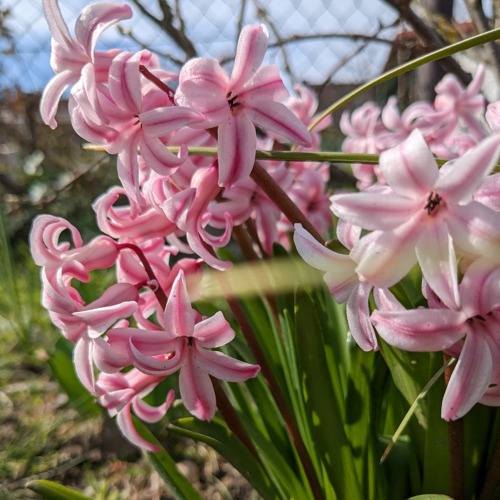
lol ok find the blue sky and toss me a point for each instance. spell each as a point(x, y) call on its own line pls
point(212, 25)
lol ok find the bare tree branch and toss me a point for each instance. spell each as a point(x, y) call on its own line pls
point(264, 15)
point(128, 33)
point(297, 38)
point(481, 23)
point(167, 24)
point(428, 36)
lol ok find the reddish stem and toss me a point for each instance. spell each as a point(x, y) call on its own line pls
point(282, 200)
point(159, 292)
point(154, 79)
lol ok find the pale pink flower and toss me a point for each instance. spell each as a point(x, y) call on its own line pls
point(461, 103)
point(47, 249)
point(139, 116)
point(474, 316)
point(236, 104)
point(426, 215)
point(341, 279)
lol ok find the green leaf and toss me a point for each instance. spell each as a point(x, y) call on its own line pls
point(431, 497)
point(166, 467)
point(365, 392)
point(221, 439)
point(54, 491)
point(436, 437)
point(410, 373)
point(61, 363)
point(324, 406)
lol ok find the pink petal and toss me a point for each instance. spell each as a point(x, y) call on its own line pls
point(266, 85)
point(106, 358)
point(470, 377)
point(128, 169)
point(250, 52)
point(52, 94)
point(157, 367)
point(389, 256)
point(358, 317)
point(237, 146)
point(214, 331)
point(117, 302)
point(420, 329)
point(57, 25)
point(158, 157)
point(409, 168)
point(277, 118)
point(148, 413)
point(475, 228)
point(436, 256)
point(126, 426)
point(374, 210)
point(84, 368)
point(124, 82)
point(97, 17)
point(479, 289)
point(223, 367)
point(340, 276)
point(161, 121)
point(179, 317)
point(196, 390)
point(459, 183)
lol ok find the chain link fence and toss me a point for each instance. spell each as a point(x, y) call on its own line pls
point(332, 45)
point(312, 41)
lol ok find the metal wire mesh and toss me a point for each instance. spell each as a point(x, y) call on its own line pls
point(310, 40)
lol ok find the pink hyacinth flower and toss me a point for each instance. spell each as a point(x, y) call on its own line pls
point(184, 344)
point(427, 215)
point(235, 104)
point(342, 280)
point(70, 55)
point(476, 317)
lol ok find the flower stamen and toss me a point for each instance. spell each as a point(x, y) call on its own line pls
point(432, 202)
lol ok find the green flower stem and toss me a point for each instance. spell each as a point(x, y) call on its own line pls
point(456, 447)
point(483, 38)
point(319, 156)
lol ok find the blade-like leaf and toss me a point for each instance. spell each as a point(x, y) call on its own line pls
point(221, 439)
point(54, 491)
point(61, 363)
point(323, 405)
point(165, 465)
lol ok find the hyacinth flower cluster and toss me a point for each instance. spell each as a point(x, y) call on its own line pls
point(143, 328)
point(163, 225)
point(445, 220)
